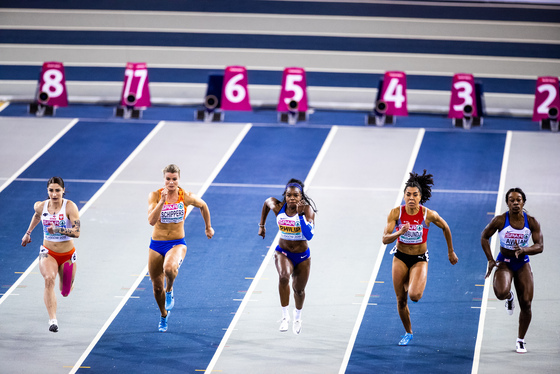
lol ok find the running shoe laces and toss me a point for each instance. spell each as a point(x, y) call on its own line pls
point(406, 338)
point(510, 305)
point(520, 347)
point(284, 324)
point(163, 323)
point(169, 300)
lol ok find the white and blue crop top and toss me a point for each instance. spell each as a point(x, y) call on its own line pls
point(294, 227)
point(509, 236)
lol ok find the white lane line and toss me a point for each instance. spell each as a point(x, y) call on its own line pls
point(365, 301)
point(11, 179)
point(267, 258)
point(39, 154)
point(493, 245)
point(142, 275)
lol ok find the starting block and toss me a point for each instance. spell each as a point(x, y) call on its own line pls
point(235, 92)
point(135, 97)
point(212, 101)
point(390, 101)
point(292, 104)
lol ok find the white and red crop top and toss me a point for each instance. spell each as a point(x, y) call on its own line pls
point(173, 212)
point(59, 219)
point(418, 230)
point(509, 236)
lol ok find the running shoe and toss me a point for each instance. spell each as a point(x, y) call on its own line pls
point(296, 327)
point(53, 325)
point(510, 304)
point(520, 347)
point(284, 324)
point(169, 300)
point(163, 323)
point(406, 338)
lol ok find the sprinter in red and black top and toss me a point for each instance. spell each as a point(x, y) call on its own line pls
point(409, 225)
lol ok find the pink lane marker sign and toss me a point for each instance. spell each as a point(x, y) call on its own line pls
point(393, 93)
point(136, 92)
point(235, 94)
point(462, 94)
point(546, 97)
point(52, 85)
point(294, 88)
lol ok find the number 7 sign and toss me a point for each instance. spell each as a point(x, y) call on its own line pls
point(136, 92)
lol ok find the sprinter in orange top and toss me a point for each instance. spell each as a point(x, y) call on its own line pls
point(61, 224)
point(166, 212)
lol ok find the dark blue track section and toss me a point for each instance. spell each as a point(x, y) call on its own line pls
point(309, 43)
point(90, 150)
point(214, 271)
point(317, 79)
point(443, 322)
point(436, 9)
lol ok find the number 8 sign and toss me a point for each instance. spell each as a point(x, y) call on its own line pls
point(52, 85)
point(546, 96)
point(235, 95)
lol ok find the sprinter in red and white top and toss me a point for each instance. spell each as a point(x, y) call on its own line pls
point(409, 225)
point(61, 223)
point(166, 212)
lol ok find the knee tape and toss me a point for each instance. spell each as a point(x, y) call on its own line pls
point(67, 278)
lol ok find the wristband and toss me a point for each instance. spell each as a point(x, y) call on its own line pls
point(260, 225)
point(28, 233)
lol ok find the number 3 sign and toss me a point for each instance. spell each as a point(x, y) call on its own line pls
point(462, 94)
point(235, 95)
point(52, 85)
point(136, 92)
point(546, 96)
point(393, 93)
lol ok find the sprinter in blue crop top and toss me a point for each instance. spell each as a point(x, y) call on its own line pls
point(295, 216)
point(515, 227)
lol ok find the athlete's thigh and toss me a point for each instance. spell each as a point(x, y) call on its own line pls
point(301, 274)
point(155, 265)
point(48, 266)
point(418, 277)
point(502, 278)
point(400, 275)
point(524, 283)
point(174, 257)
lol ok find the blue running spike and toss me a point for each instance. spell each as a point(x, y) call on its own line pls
point(406, 338)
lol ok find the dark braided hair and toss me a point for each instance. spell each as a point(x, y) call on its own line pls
point(424, 184)
point(518, 190)
point(299, 185)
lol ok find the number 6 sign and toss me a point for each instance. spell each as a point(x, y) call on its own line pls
point(294, 87)
point(52, 85)
point(136, 91)
point(235, 95)
point(546, 97)
point(393, 93)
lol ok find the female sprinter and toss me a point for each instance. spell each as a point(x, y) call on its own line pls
point(410, 263)
point(515, 227)
point(166, 212)
point(61, 223)
point(295, 216)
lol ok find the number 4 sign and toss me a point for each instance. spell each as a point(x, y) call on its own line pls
point(235, 95)
point(52, 85)
point(393, 93)
point(135, 91)
point(546, 97)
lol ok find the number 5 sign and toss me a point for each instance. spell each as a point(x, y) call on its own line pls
point(294, 88)
point(135, 91)
point(462, 94)
point(546, 97)
point(393, 93)
point(235, 95)
point(52, 85)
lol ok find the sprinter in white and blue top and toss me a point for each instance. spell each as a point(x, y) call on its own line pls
point(295, 216)
point(515, 229)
